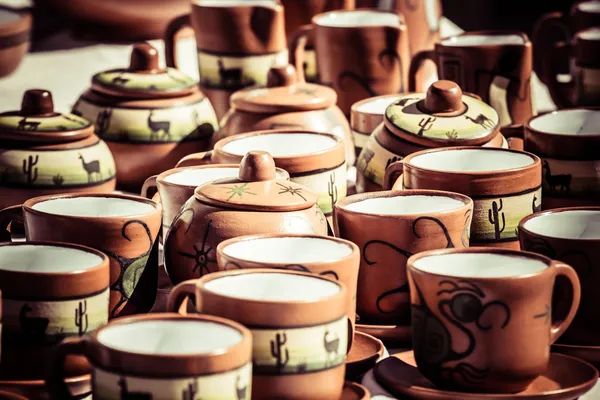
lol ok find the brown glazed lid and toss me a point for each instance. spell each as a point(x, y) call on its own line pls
point(256, 188)
point(144, 79)
point(37, 122)
point(442, 117)
point(284, 93)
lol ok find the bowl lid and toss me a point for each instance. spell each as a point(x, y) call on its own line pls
point(442, 117)
point(257, 188)
point(37, 122)
point(143, 79)
point(284, 93)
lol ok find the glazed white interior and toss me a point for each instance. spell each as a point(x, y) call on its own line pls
point(94, 207)
point(471, 160)
point(288, 250)
point(169, 337)
point(568, 122)
point(590, 34)
point(7, 16)
point(274, 287)
point(401, 205)
point(235, 3)
point(281, 144)
point(200, 176)
point(346, 19)
point(479, 265)
point(377, 105)
point(571, 224)
point(483, 40)
point(48, 259)
point(590, 6)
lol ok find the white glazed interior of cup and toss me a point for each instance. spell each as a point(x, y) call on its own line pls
point(479, 265)
point(568, 122)
point(347, 19)
point(281, 144)
point(590, 6)
point(169, 337)
point(403, 205)
point(94, 207)
point(288, 250)
point(274, 287)
point(568, 224)
point(200, 176)
point(471, 160)
point(236, 3)
point(376, 106)
point(483, 40)
point(7, 16)
point(46, 259)
point(590, 34)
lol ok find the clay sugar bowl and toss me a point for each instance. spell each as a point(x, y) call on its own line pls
point(442, 117)
point(290, 103)
point(149, 116)
point(44, 152)
point(15, 27)
point(256, 202)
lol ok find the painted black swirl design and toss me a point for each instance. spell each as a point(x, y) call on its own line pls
point(364, 82)
point(465, 234)
point(579, 260)
point(436, 221)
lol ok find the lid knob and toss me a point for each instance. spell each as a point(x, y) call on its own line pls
point(144, 57)
point(257, 166)
point(444, 97)
point(37, 102)
point(282, 76)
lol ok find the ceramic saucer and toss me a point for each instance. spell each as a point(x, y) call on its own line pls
point(4, 395)
point(566, 378)
point(79, 386)
point(366, 350)
point(387, 333)
point(354, 391)
point(590, 354)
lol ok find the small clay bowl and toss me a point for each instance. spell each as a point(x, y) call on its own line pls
point(354, 391)
point(366, 350)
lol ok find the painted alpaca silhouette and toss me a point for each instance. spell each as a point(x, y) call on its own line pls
point(232, 76)
point(25, 125)
point(157, 126)
point(331, 345)
point(127, 395)
point(92, 167)
point(32, 326)
point(557, 183)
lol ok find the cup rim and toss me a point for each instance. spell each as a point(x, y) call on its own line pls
point(401, 20)
point(562, 135)
point(276, 5)
point(355, 108)
point(530, 217)
point(489, 32)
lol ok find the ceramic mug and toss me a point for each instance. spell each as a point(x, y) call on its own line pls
point(360, 53)
point(160, 356)
point(50, 291)
point(495, 65)
point(483, 319)
point(298, 323)
point(315, 160)
point(571, 235)
point(238, 41)
point(505, 185)
point(389, 227)
point(121, 226)
point(322, 255)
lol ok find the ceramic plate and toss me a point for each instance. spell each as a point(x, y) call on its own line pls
point(590, 354)
point(387, 333)
point(354, 391)
point(80, 386)
point(365, 352)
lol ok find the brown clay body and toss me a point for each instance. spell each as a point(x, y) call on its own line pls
point(14, 39)
point(36, 389)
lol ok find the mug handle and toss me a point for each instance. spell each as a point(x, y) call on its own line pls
point(202, 158)
point(297, 44)
point(515, 136)
point(561, 322)
point(149, 188)
point(558, 63)
point(541, 45)
point(178, 298)
point(170, 38)
point(55, 375)
point(8, 216)
point(415, 64)
point(393, 172)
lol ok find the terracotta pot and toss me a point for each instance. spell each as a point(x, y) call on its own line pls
point(470, 305)
point(287, 103)
point(121, 226)
point(43, 152)
point(360, 53)
point(505, 185)
point(170, 363)
point(36, 389)
point(15, 30)
point(50, 291)
point(150, 117)
point(315, 160)
point(495, 65)
point(389, 227)
point(571, 235)
point(298, 323)
point(238, 42)
point(321, 255)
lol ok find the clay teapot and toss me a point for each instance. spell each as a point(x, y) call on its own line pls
point(150, 117)
point(254, 203)
point(288, 103)
point(43, 152)
point(442, 117)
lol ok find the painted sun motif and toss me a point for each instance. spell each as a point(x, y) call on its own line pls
point(291, 190)
point(201, 255)
point(238, 190)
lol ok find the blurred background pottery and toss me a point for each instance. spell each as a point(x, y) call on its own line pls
point(15, 26)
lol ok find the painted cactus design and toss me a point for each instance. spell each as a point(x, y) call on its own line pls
point(277, 350)
point(190, 392)
point(493, 216)
point(81, 318)
point(332, 189)
point(240, 390)
point(57, 180)
point(29, 170)
point(425, 125)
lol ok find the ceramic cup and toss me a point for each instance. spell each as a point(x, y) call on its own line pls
point(121, 226)
point(483, 319)
point(505, 185)
point(298, 323)
point(322, 255)
point(389, 227)
point(238, 41)
point(162, 356)
point(571, 235)
point(315, 160)
point(360, 53)
point(50, 291)
point(495, 65)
